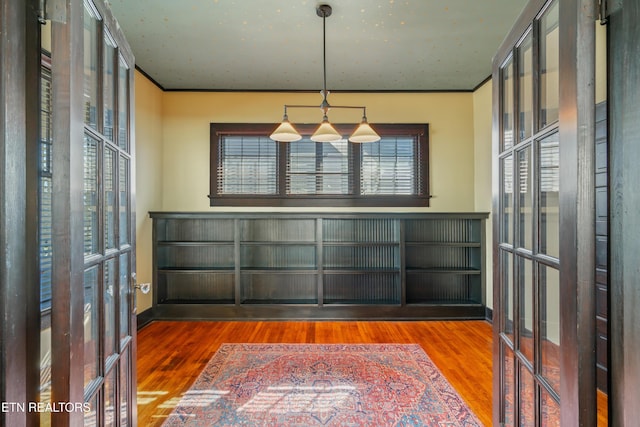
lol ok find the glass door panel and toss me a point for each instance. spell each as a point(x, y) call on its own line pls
point(109, 198)
point(525, 308)
point(91, 242)
point(109, 304)
point(550, 326)
point(507, 200)
point(123, 201)
point(124, 286)
point(525, 88)
point(508, 295)
point(549, 67)
point(507, 105)
point(549, 187)
point(525, 200)
point(109, 87)
point(123, 105)
point(90, 67)
point(91, 326)
point(527, 250)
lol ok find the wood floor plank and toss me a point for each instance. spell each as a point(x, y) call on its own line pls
point(171, 355)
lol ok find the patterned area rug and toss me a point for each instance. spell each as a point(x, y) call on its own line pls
point(321, 385)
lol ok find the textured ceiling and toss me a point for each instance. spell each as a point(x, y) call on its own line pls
point(377, 45)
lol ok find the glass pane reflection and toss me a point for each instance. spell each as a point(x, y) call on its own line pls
point(549, 185)
point(507, 298)
point(525, 200)
point(123, 202)
point(109, 308)
point(109, 199)
point(525, 283)
point(507, 105)
point(509, 384)
point(550, 325)
point(549, 411)
point(507, 200)
point(91, 319)
point(90, 68)
point(110, 399)
point(109, 88)
point(549, 66)
point(525, 88)
point(526, 398)
point(123, 105)
point(125, 385)
point(124, 296)
point(90, 195)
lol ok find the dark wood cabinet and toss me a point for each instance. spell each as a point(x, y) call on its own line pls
point(309, 265)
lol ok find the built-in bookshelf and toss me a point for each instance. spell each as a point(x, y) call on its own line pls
point(308, 265)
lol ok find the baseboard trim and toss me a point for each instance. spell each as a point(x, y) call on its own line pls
point(488, 314)
point(145, 318)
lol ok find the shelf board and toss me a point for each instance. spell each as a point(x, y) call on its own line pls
point(347, 302)
point(444, 303)
point(198, 301)
point(412, 270)
point(279, 270)
point(359, 244)
point(196, 269)
point(279, 243)
point(342, 270)
point(195, 243)
point(280, 302)
point(409, 243)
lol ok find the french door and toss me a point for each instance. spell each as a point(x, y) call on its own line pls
point(87, 214)
point(544, 315)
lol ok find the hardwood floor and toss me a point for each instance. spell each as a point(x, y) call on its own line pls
point(172, 354)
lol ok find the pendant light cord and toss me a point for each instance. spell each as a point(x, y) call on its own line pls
point(324, 55)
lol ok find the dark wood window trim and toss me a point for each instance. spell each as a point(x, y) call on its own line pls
point(355, 199)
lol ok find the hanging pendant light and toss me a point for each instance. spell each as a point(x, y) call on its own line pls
point(326, 132)
point(285, 132)
point(364, 133)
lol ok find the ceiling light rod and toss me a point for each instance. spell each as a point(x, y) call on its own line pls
point(325, 132)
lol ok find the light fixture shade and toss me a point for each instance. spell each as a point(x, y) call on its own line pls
point(326, 133)
point(285, 132)
point(364, 133)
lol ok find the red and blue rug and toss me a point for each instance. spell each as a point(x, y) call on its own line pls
point(321, 385)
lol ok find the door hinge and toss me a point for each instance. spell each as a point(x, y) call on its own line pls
point(606, 8)
point(52, 10)
point(602, 12)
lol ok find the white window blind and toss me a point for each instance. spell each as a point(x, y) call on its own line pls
point(389, 166)
point(318, 168)
point(248, 165)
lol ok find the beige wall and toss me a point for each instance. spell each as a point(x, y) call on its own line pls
point(148, 175)
point(482, 127)
point(186, 119)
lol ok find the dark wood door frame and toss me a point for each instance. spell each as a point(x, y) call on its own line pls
point(19, 270)
point(67, 211)
point(624, 175)
point(577, 212)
